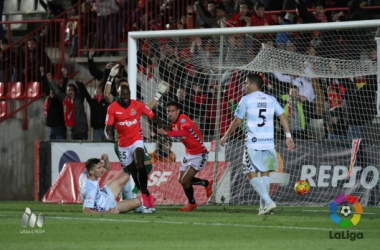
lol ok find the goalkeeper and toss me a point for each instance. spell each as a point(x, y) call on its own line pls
point(162, 88)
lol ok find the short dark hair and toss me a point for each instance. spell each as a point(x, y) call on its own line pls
point(91, 163)
point(220, 7)
point(211, 2)
point(74, 86)
point(173, 103)
point(256, 79)
point(259, 5)
point(123, 86)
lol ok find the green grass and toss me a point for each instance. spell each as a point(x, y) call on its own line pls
point(208, 227)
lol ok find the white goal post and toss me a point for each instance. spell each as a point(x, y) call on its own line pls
point(335, 60)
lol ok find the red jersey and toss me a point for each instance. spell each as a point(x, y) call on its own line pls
point(191, 136)
point(127, 121)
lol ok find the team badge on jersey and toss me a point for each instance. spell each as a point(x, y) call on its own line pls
point(183, 120)
point(133, 111)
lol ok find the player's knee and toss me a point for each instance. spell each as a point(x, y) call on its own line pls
point(137, 202)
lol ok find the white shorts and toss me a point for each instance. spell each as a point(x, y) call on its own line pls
point(259, 160)
point(196, 161)
point(126, 154)
point(110, 200)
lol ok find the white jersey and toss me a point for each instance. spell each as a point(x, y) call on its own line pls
point(259, 108)
point(93, 197)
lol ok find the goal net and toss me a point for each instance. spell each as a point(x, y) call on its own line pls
point(325, 76)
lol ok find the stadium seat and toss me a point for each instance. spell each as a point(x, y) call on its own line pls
point(15, 90)
point(3, 94)
point(3, 109)
point(33, 89)
point(10, 7)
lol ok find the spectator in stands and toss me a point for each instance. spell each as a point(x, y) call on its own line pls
point(7, 61)
point(225, 115)
point(73, 107)
point(319, 16)
point(108, 26)
point(163, 152)
point(51, 33)
point(293, 110)
point(207, 21)
point(259, 18)
point(356, 12)
point(199, 99)
point(337, 127)
point(242, 18)
point(98, 109)
point(88, 22)
point(282, 37)
point(53, 109)
point(361, 105)
point(36, 57)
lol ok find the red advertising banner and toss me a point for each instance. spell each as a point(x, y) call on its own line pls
point(162, 183)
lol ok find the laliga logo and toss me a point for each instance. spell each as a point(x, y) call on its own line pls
point(345, 210)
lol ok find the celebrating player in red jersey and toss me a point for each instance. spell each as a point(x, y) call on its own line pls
point(196, 153)
point(124, 115)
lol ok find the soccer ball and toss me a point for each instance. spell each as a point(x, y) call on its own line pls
point(346, 210)
point(302, 187)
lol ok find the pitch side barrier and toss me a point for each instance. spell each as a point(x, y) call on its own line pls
point(324, 164)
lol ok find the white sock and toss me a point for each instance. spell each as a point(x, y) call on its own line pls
point(266, 183)
point(127, 191)
point(261, 190)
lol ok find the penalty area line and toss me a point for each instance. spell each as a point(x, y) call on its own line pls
point(203, 224)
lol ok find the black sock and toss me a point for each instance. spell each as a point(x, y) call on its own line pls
point(197, 181)
point(190, 194)
point(142, 177)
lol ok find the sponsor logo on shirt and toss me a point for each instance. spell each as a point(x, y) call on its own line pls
point(254, 139)
point(133, 111)
point(183, 120)
point(118, 113)
point(128, 123)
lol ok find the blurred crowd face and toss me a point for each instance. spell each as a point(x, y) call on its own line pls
point(70, 91)
point(211, 7)
point(181, 94)
point(320, 10)
point(4, 46)
point(291, 47)
point(31, 44)
point(243, 9)
point(260, 12)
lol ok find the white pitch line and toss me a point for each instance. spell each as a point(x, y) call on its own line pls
point(209, 224)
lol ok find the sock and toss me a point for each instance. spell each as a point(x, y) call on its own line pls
point(190, 194)
point(266, 183)
point(127, 191)
point(142, 177)
point(261, 190)
point(197, 181)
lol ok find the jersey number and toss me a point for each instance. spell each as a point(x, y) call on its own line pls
point(261, 111)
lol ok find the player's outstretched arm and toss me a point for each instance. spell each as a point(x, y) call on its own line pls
point(105, 158)
point(162, 88)
point(233, 126)
point(107, 90)
point(285, 125)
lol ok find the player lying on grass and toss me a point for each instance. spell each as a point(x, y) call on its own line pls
point(102, 201)
point(161, 89)
point(196, 155)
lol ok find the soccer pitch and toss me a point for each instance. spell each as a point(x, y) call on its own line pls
point(208, 227)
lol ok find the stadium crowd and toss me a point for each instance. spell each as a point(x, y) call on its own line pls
point(316, 108)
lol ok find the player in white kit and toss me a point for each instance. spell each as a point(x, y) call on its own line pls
point(98, 200)
point(258, 109)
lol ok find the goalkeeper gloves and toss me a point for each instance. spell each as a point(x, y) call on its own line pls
point(162, 88)
point(113, 73)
